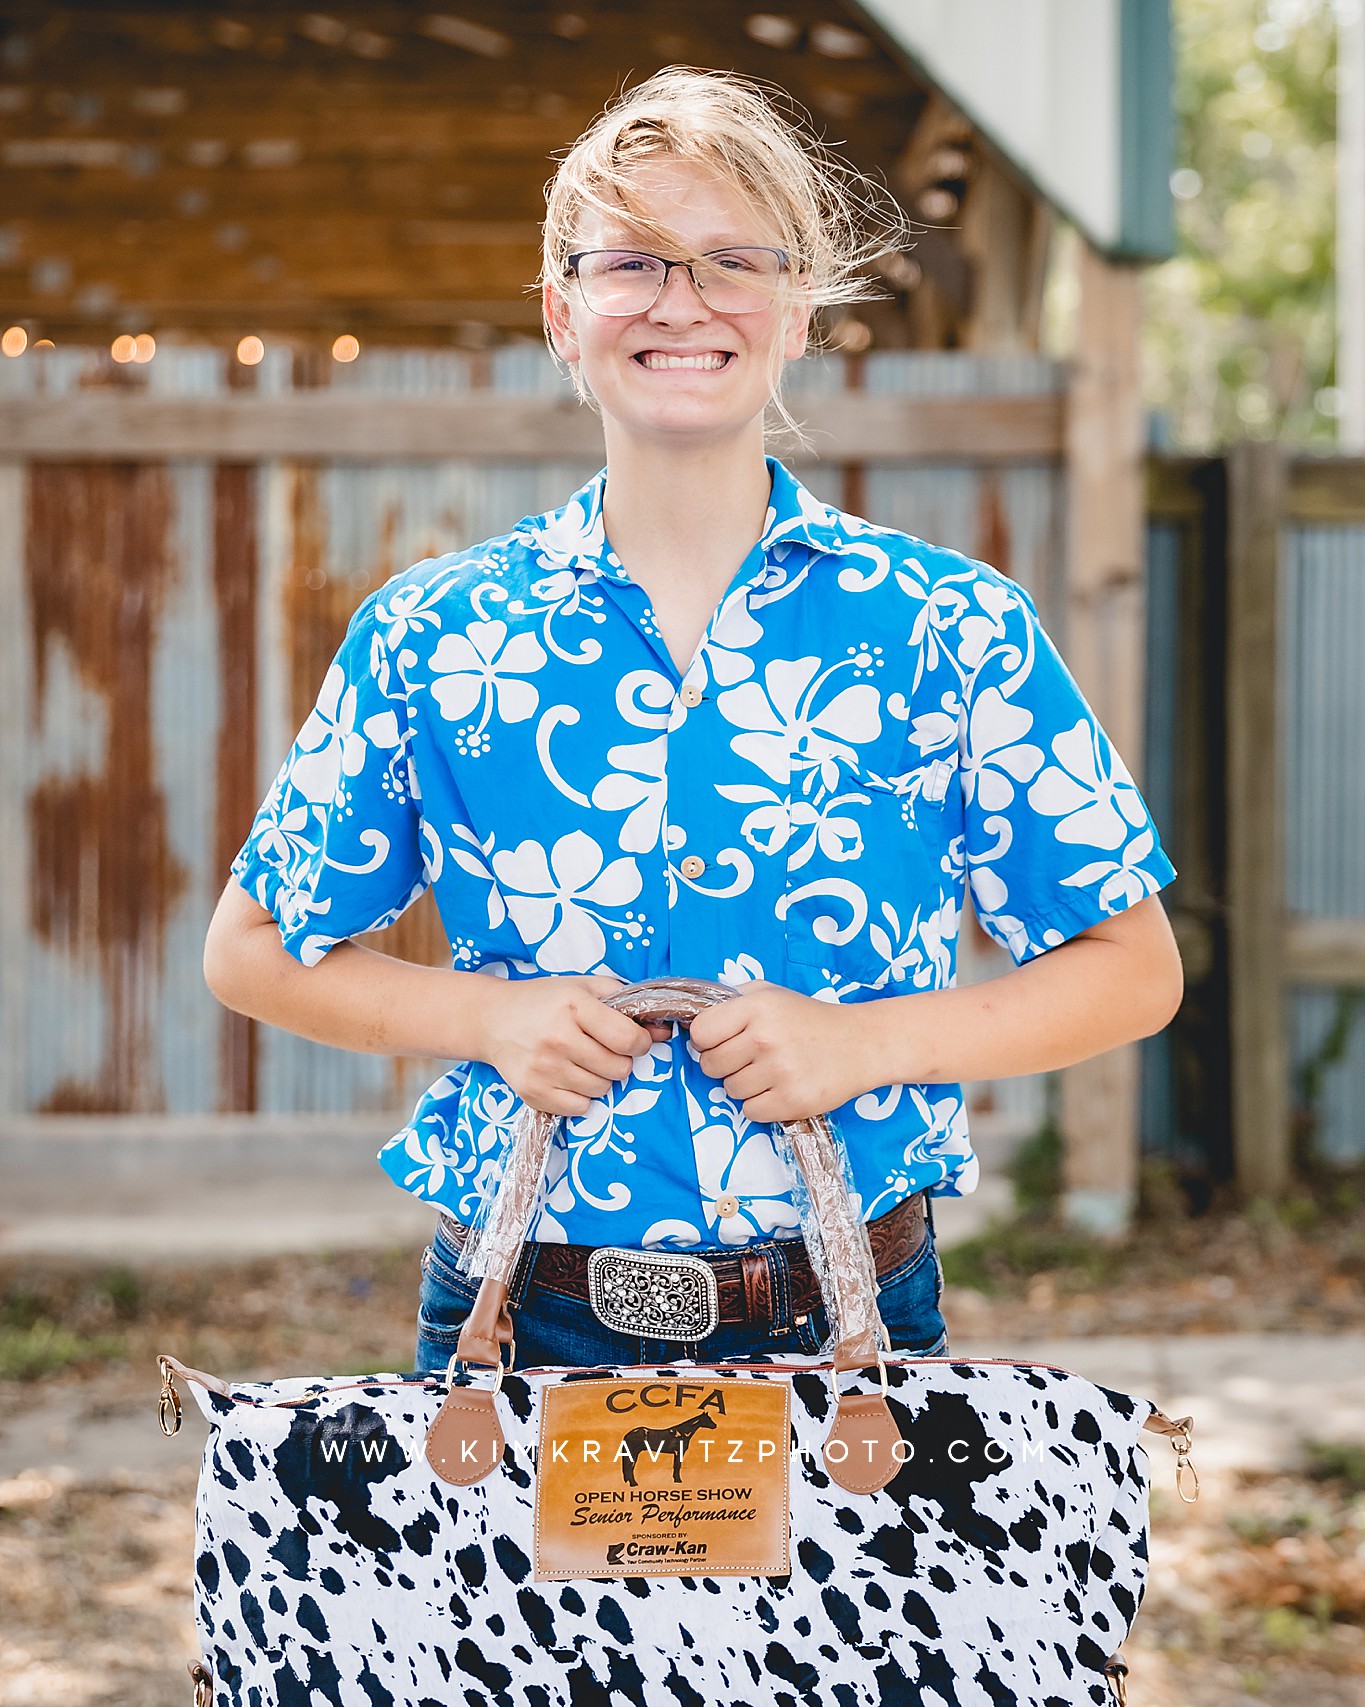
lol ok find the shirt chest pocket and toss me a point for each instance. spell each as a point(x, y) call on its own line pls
point(865, 866)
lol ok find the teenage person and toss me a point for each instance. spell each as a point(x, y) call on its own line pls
point(697, 722)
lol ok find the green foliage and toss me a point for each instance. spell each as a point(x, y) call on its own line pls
point(1035, 1171)
point(125, 1293)
point(1009, 1253)
point(44, 1347)
point(1286, 1630)
point(1240, 324)
point(1336, 1461)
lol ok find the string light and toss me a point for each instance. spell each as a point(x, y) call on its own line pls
point(45, 344)
point(144, 347)
point(124, 348)
point(13, 341)
point(250, 351)
point(345, 348)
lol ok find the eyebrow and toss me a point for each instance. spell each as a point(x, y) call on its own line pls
point(702, 248)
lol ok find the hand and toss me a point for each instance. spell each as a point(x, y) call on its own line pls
point(555, 1041)
point(785, 1056)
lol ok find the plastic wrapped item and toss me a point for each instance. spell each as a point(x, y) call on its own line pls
point(836, 1238)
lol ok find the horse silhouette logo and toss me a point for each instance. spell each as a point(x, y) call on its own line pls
point(656, 1441)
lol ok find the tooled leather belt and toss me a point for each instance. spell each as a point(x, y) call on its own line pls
point(744, 1280)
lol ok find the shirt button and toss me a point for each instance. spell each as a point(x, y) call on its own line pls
point(691, 695)
point(693, 866)
point(727, 1206)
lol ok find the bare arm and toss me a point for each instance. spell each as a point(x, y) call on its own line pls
point(552, 1039)
point(785, 1055)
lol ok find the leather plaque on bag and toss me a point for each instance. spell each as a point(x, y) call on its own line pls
point(673, 1476)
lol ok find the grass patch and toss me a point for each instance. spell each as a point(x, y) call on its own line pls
point(1035, 1172)
point(1005, 1257)
point(1340, 1461)
point(44, 1347)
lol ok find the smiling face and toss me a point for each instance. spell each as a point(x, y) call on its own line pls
point(679, 371)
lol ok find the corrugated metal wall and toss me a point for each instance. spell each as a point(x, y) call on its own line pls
point(1322, 657)
point(168, 626)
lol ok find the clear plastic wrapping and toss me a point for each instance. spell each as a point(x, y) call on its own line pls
point(816, 1158)
point(836, 1237)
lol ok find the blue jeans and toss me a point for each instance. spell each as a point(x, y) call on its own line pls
point(555, 1330)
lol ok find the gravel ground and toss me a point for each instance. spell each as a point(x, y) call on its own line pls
point(1257, 1593)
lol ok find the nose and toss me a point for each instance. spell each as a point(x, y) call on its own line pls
point(670, 306)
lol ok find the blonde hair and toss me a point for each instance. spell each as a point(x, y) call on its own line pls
point(832, 220)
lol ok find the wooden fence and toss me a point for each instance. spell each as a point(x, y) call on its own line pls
point(1257, 698)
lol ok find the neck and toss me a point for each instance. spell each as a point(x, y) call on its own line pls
point(685, 515)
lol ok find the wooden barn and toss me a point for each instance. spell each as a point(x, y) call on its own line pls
point(269, 336)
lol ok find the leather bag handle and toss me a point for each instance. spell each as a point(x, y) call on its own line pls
point(843, 1260)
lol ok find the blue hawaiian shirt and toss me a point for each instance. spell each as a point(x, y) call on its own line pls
point(869, 723)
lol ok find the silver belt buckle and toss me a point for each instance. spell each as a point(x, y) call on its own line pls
point(654, 1294)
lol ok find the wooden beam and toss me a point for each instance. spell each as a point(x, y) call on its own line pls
point(327, 425)
point(1260, 1097)
point(1103, 640)
point(1326, 489)
point(1325, 951)
point(1171, 492)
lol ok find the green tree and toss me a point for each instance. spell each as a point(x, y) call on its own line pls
point(1240, 323)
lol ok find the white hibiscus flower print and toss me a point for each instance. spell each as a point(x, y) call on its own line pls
point(976, 632)
point(1089, 790)
point(837, 835)
point(784, 721)
point(743, 969)
point(328, 745)
point(996, 756)
point(1122, 882)
point(936, 609)
point(560, 902)
point(408, 610)
point(638, 787)
point(480, 670)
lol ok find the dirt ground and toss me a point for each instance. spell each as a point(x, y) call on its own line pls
point(1257, 1593)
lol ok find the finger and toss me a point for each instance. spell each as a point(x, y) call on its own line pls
point(613, 1030)
point(767, 1109)
point(558, 1102)
point(578, 1081)
point(749, 1081)
point(589, 1056)
point(719, 1023)
point(727, 1058)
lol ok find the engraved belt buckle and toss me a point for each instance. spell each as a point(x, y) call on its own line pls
point(654, 1294)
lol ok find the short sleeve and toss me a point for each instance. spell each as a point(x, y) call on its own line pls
point(1057, 836)
point(335, 848)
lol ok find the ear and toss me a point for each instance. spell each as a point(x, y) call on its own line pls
point(796, 326)
point(559, 318)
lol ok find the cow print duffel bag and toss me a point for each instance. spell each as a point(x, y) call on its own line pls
point(863, 1530)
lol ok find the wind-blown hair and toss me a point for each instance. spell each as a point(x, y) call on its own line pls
point(833, 221)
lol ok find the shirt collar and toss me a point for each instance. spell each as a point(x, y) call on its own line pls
point(574, 537)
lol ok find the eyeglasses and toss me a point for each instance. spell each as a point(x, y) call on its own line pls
point(730, 281)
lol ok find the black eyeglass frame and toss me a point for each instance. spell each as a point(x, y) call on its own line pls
point(571, 262)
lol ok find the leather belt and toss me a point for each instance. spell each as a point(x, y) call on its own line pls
point(744, 1279)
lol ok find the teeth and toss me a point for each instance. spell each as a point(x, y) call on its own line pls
point(707, 363)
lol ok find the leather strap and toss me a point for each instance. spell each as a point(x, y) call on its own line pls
point(845, 1239)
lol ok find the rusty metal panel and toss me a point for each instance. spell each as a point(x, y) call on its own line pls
point(103, 877)
point(16, 1018)
point(177, 623)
